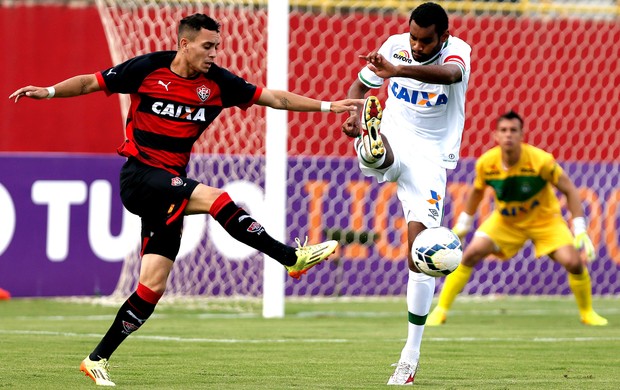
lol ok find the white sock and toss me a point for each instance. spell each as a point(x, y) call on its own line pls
point(420, 290)
point(366, 159)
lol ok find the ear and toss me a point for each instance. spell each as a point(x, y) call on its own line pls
point(444, 37)
point(183, 44)
point(495, 136)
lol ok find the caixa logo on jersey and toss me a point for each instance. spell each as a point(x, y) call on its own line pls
point(419, 98)
point(180, 111)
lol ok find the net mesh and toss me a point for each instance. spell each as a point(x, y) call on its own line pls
point(553, 62)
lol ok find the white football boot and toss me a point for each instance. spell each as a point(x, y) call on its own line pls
point(404, 374)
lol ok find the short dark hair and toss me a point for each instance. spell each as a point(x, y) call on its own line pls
point(192, 24)
point(427, 14)
point(510, 115)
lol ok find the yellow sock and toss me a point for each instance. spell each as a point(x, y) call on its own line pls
point(454, 284)
point(582, 289)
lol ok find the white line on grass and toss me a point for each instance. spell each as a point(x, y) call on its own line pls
point(324, 314)
point(268, 341)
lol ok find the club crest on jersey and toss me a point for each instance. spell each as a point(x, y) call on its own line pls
point(203, 93)
point(176, 181)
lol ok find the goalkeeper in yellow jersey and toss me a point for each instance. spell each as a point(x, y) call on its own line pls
point(526, 208)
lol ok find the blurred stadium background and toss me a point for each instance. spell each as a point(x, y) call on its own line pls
point(64, 231)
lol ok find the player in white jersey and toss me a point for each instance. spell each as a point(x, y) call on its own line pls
point(421, 130)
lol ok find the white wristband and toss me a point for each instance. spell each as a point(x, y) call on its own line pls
point(326, 106)
point(51, 91)
point(579, 225)
point(465, 220)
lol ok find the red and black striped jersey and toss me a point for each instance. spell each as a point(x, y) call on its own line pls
point(168, 113)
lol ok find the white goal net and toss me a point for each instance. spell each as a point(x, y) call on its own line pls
point(554, 63)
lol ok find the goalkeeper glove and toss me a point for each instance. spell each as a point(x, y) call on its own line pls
point(463, 225)
point(582, 240)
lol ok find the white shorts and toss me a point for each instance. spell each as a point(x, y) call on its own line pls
point(421, 183)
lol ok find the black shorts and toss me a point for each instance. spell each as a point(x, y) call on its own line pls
point(159, 198)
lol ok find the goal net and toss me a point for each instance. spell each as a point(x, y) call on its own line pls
point(552, 62)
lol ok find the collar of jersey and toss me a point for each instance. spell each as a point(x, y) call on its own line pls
point(436, 55)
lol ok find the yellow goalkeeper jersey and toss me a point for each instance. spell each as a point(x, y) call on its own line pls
point(523, 193)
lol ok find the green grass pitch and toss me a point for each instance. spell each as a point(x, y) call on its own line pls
point(501, 343)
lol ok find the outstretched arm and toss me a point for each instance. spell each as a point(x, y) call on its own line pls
point(566, 186)
point(580, 228)
point(74, 86)
point(284, 100)
point(351, 126)
point(432, 74)
point(473, 200)
point(465, 220)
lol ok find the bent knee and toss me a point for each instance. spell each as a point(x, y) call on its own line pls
point(202, 199)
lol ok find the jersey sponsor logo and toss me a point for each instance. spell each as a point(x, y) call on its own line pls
point(110, 72)
point(494, 170)
point(527, 168)
point(179, 111)
point(164, 84)
point(203, 93)
point(519, 210)
point(404, 56)
point(434, 200)
point(176, 182)
point(418, 98)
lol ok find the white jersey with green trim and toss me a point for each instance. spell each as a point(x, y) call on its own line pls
point(429, 117)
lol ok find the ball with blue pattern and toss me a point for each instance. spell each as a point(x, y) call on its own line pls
point(437, 251)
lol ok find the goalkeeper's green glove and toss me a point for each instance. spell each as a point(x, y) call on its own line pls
point(463, 225)
point(582, 240)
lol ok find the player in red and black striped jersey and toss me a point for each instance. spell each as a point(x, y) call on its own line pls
point(168, 113)
point(175, 95)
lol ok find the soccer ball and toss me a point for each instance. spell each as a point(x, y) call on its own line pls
point(437, 251)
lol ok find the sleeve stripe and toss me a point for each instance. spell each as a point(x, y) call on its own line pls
point(102, 84)
point(455, 59)
point(366, 82)
point(252, 101)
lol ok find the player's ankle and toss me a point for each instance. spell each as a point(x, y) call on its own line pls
point(366, 158)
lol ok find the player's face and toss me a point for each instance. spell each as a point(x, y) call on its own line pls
point(201, 51)
point(509, 134)
point(425, 42)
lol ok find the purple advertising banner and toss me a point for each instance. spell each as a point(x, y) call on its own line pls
point(64, 230)
point(46, 202)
